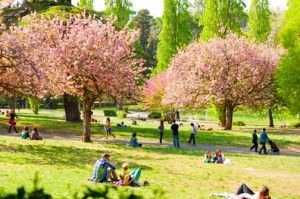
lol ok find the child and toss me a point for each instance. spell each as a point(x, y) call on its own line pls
point(207, 157)
point(25, 133)
point(35, 134)
point(218, 158)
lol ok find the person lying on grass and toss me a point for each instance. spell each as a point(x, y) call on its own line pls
point(35, 134)
point(218, 158)
point(133, 141)
point(25, 133)
point(131, 179)
point(104, 170)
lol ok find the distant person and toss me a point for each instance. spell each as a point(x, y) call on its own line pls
point(12, 121)
point(207, 157)
point(35, 134)
point(244, 192)
point(193, 134)
point(134, 122)
point(274, 148)
point(175, 131)
point(133, 141)
point(254, 141)
point(161, 131)
point(218, 158)
point(104, 170)
point(121, 124)
point(263, 141)
point(25, 133)
point(108, 129)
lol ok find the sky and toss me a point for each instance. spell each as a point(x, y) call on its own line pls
point(156, 6)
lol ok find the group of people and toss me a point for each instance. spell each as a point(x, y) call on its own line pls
point(264, 139)
point(175, 132)
point(105, 171)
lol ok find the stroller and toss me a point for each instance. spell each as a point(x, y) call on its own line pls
point(274, 149)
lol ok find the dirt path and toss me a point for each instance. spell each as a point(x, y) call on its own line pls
point(231, 149)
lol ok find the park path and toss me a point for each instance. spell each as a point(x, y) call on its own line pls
point(231, 149)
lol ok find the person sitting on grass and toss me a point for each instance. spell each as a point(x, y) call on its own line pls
point(133, 141)
point(104, 170)
point(35, 134)
point(207, 157)
point(218, 158)
point(25, 133)
point(131, 179)
point(121, 124)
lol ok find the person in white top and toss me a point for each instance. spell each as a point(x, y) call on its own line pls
point(192, 136)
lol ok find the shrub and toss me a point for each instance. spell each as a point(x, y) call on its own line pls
point(155, 115)
point(121, 114)
point(110, 113)
point(239, 123)
point(296, 124)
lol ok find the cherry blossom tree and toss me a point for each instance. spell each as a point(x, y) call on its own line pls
point(230, 72)
point(5, 3)
point(81, 56)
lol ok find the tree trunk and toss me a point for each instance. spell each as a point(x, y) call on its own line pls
point(119, 104)
point(71, 108)
point(221, 110)
point(177, 115)
point(229, 116)
point(271, 121)
point(87, 115)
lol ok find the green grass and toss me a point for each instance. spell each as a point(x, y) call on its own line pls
point(65, 166)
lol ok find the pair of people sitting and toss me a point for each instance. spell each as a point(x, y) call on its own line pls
point(34, 135)
point(105, 170)
point(218, 158)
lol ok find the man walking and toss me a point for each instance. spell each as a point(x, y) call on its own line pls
point(263, 141)
point(175, 128)
point(192, 136)
point(254, 141)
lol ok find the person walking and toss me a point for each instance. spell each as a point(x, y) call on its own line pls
point(175, 128)
point(107, 128)
point(263, 141)
point(161, 131)
point(12, 121)
point(192, 136)
point(254, 141)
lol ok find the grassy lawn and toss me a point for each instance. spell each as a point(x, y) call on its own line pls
point(64, 165)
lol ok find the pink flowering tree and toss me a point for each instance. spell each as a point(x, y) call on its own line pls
point(81, 56)
point(5, 3)
point(228, 72)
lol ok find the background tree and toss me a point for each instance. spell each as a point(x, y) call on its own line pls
point(86, 4)
point(229, 72)
point(220, 17)
point(259, 20)
point(120, 10)
point(174, 33)
point(288, 74)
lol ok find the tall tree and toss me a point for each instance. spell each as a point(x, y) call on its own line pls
point(220, 17)
point(230, 72)
point(259, 20)
point(288, 74)
point(86, 4)
point(120, 10)
point(175, 31)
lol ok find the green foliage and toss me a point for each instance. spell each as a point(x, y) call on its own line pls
point(34, 104)
point(239, 123)
point(259, 20)
point(120, 10)
point(288, 77)
point(86, 4)
point(110, 113)
point(174, 33)
point(221, 17)
point(155, 115)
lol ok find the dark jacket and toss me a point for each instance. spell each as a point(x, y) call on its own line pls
point(175, 128)
point(254, 138)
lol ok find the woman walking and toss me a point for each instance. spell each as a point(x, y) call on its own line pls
point(12, 122)
point(107, 128)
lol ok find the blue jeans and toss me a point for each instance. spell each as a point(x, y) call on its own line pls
point(176, 140)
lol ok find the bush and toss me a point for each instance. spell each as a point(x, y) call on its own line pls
point(110, 113)
point(121, 114)
point(239, 123)
point(296, 124)
point(155, 115)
